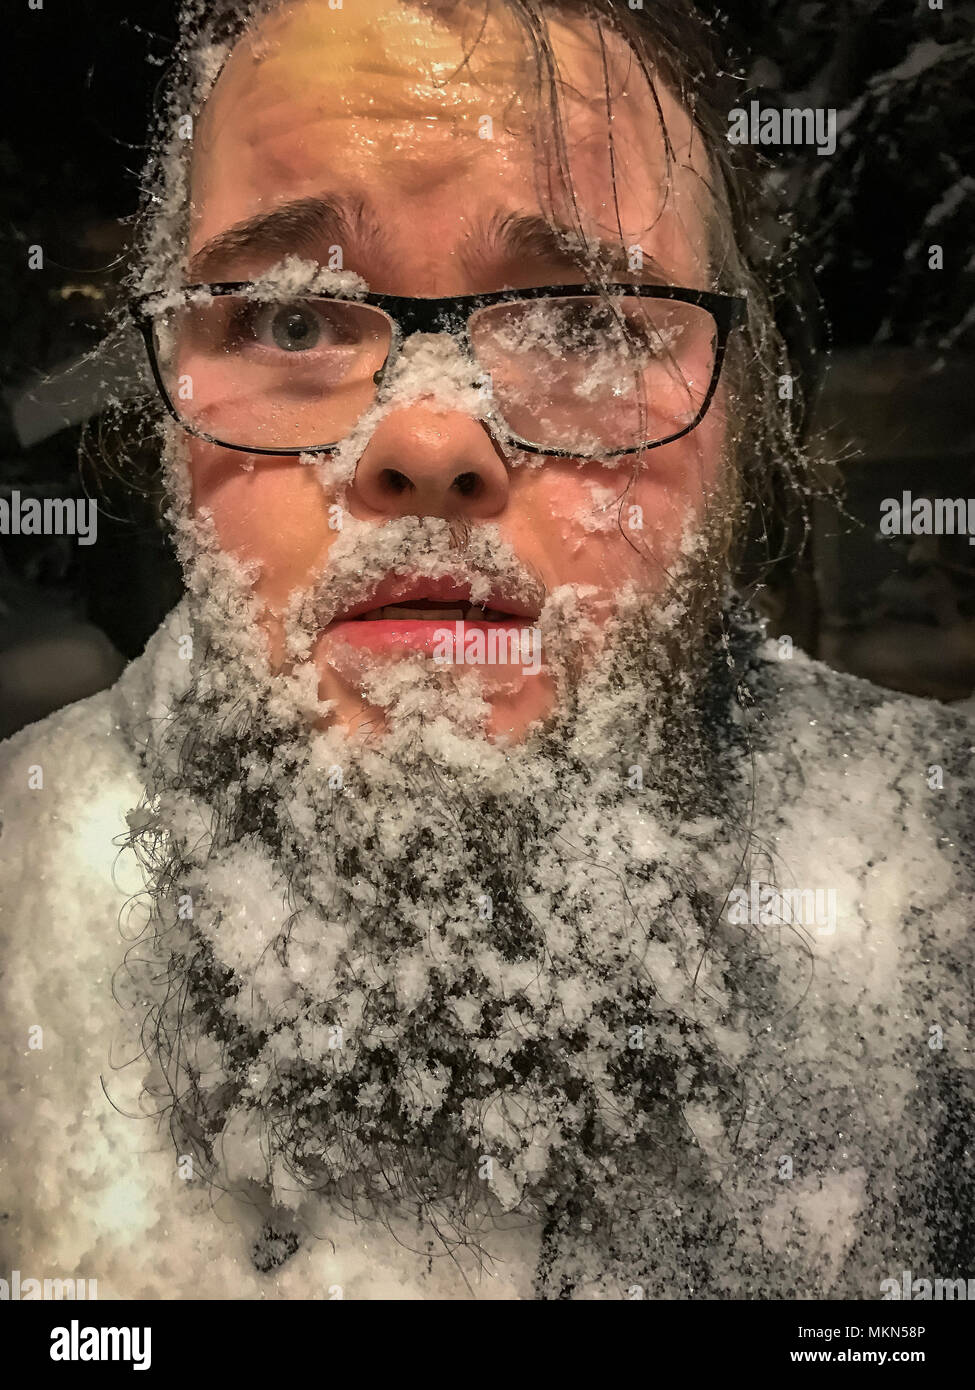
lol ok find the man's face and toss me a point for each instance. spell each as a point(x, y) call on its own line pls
point(410, 951)
point(380, 107)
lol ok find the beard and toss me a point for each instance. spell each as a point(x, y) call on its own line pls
point(425, 975)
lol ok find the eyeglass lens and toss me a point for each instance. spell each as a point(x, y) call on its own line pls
point(581, 374)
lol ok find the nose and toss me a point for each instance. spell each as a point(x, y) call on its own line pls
point(423, 462)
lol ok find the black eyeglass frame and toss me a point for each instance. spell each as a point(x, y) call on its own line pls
point(452, 314)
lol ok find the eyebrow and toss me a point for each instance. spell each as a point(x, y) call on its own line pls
point(530, 236)
point(310, 224)
point(305, 224)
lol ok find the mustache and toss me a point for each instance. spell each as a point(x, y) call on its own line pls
point(364, 554)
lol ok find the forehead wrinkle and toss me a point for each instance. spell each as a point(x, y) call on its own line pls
point(585, 78)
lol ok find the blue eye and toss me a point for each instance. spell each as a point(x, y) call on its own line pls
point(295, 329)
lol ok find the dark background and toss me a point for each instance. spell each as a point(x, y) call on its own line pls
point(896, 406)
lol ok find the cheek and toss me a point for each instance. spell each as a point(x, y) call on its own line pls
point(589, 524)
point(274, 513)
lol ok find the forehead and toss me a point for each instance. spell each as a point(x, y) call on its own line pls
point(420, 114)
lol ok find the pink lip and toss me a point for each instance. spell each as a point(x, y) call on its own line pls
point(419, 634)
point(400, 588)
point(408, 634)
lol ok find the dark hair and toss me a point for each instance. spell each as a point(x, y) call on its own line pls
point(675, 45)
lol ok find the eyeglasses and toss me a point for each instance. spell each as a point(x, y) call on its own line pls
point(569, 370)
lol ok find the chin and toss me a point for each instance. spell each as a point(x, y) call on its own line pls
point(498, 703)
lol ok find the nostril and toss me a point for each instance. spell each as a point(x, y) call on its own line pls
point(468, 484)
point(393, 481)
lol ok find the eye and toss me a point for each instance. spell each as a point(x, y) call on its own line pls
point(585, 325)
point(296, 327)
point(652, 337)
point(595, 326)
point(628, 325)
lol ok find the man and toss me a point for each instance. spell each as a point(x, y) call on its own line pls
point(481, 907)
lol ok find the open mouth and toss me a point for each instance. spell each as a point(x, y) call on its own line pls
point(412, 614)
point(427, 610)
point(403, 599)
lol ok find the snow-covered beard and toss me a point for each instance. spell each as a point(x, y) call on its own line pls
point(429, 974)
